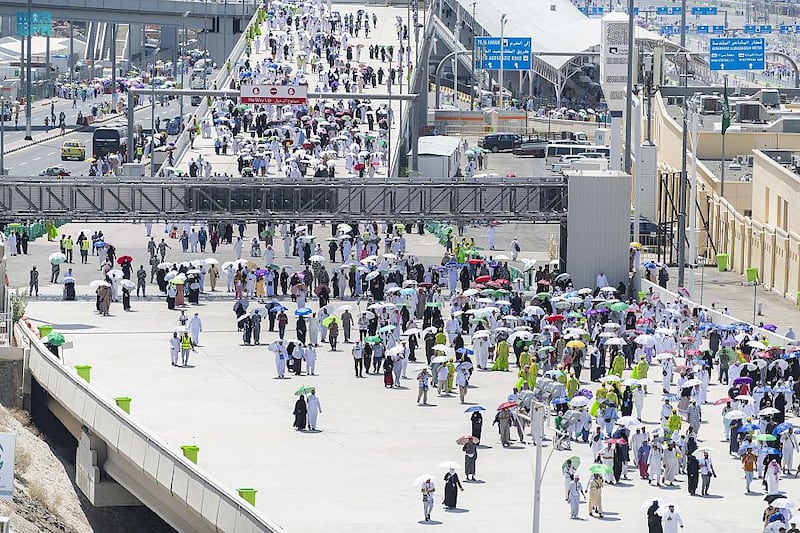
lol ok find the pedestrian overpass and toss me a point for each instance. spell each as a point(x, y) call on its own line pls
point(113, 199)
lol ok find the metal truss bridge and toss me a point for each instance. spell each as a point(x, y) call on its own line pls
point(135, 199)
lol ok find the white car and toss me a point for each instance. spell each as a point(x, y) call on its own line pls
point(565, 162)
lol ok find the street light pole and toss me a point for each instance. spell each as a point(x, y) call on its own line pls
point(503, 19)
point(28, 135)
point(2, 131)
point(183, 62)
point(472, 69)
point(152, 128)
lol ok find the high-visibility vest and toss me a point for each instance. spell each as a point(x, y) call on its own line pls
point(186, 343)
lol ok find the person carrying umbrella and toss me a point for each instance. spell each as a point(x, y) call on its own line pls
point(423, 380)
point(574, 494)
point(470, 450)
point(314, 409)
point(450, 493)
point(596, 495)
point(300, 413)
point(503, 421)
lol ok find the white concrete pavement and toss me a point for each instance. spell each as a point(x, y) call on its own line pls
point(355, 474)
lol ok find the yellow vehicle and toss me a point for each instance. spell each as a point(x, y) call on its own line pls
point(73, 150)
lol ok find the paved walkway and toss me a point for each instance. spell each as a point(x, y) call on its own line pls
point(384, 34)
point(355, 474)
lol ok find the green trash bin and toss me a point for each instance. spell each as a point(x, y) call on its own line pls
point(124, 403)
point(85, 372)
point(752, 275)
point(643, 295)
point(722, 262)
point(249, 495)
point(190, 452)
point(44, 330)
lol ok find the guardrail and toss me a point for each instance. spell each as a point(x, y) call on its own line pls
point(217, 508)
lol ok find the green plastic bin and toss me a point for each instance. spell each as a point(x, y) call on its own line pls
point(44, 330)
point(722, 262)
point(752, 275)
point(643, 295)
point(124, 403)
point(85, 372)
point(190, 452)
point(249, 495)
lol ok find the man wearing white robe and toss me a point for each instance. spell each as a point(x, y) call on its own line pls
point(670, 520)
point(788, 447)
point(310, 355)
point(280, 359)
point(314, 409)
point(654, 464)
point(195, 327)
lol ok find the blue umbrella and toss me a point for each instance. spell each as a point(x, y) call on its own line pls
point(303, 311)
point(473, 409)
point(671, 397)
point(99, 244)
point(408, 292)
point(277, 308)
point(559, 401)
point(748, 427)
point(769, 451)
point(465, 350)
point(780, 428)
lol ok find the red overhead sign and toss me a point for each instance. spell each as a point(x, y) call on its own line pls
point(274, 94)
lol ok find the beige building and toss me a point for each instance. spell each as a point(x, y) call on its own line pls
point(755, 224)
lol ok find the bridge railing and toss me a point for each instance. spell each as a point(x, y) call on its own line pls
point(415, 198)
point(216, 507)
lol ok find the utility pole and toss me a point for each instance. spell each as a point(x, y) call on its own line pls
point(683, 182)
point(472, 69)
point(503, 19)
point(28, 135)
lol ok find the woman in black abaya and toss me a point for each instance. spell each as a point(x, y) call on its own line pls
point(300, 412)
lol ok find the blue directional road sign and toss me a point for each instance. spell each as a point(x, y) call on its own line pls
point(737, 54)
point(702, 29)
point(718, 30)
point(704, 10)
point(516, 53)
point(41, 23)
point(668, 10)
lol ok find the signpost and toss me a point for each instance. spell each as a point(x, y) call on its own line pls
point(274, 94)
point(41, 23)
point(737, 54)
point(704, 10)
point(668, 10)
point(516, 53)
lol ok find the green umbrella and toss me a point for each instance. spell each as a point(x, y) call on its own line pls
point(543, 295)
point(55, 338)
point(619, 306)
point(576, 461)
point(765, 437)
point(545, 349)
point(600, 469)
point(305, 389)
point(433, 304)
point(372, 339)
point(327, 321)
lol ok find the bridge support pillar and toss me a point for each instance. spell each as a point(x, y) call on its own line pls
point(99, 488)
point(11, 376)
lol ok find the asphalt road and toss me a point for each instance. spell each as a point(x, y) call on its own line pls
point(34, 159)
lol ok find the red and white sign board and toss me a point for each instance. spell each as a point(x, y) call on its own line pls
point(274, 94)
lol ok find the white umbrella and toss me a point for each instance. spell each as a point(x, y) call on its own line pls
point(745, 398)
point(645, 340)
point(664, 356)
point(439, 359)
point(128, 284)
point(316, 259)
point(343, 308)
point(611, 325)
point(628, 421)
point(767, 411)
point(211, 261)
point(579, 401)
point(98, 283)
point(421, 479)
point(372, 275)
point(616, 341)
point(501, 257)
point(690, 383)
point(734, 415)
point(757, 345)
point(395, 350)
point(449, 464)
point(344, 228)
point(115, 273)
point(611, 377)
point(412, 331)
point(57, 258)
point(440, 347)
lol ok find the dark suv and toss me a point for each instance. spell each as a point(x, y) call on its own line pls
point(497, 142)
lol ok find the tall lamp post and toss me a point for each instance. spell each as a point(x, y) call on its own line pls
point(2, 131)
point(183, 64)
point(503, 19)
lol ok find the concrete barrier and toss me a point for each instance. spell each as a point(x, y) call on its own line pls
point(156, 475)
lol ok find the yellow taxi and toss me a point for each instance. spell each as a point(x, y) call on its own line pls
point(73, 150)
